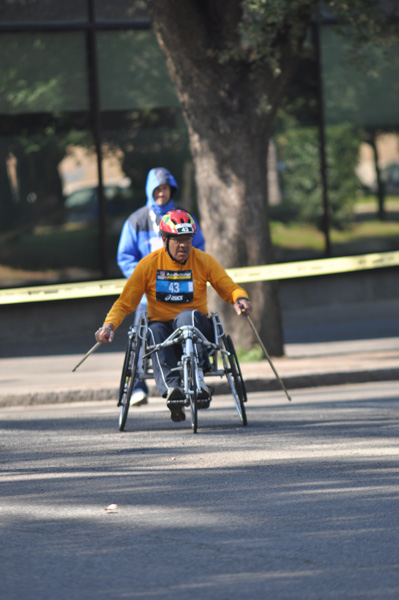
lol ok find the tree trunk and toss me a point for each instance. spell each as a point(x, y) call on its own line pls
point(231, 178)
point(229, 108)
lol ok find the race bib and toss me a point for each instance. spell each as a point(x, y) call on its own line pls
point(174, 286)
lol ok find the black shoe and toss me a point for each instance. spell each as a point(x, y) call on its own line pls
point(204, 394)
point(175, 396)
point(177, 413)
point(175, 402)
point(203, 403)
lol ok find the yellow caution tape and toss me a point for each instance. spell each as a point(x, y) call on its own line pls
point(113, 287)
point(308, 268)
point(65, 291)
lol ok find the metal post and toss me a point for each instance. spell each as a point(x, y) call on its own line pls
point(322, 141)
point(97, 132)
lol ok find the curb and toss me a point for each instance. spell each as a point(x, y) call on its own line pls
point(323, 379)
point(252, 385)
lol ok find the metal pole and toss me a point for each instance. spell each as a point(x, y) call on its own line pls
point(268, 357)
point(322, 140)
point(97, 133)
point(93, 349)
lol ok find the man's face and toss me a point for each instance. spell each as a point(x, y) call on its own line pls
point(180, 247)
point(162, 194)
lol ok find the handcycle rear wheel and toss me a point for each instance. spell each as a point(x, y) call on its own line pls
point(128, 378)
point(235, 379)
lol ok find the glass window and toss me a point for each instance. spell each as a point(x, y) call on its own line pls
point(43, 235)
point(362, 117)
point(142, 123)
point(42, 72)
point(121, 9)
point(132, 72)
point(42, 10)
point(364, 92)
point(143, 140)
point(362, 153)
point(43, 121)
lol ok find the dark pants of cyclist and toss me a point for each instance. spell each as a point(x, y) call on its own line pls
point(140, 384)
point(166, 359)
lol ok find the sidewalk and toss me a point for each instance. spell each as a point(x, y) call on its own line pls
point(49, 379)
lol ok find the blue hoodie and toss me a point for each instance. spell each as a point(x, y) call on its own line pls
point(140, 233)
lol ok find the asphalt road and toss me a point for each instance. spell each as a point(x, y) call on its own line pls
point(301, 504)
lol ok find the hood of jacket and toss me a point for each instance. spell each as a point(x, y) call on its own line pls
point(156, 177)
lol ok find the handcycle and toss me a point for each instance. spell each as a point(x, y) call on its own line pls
point(222, 356)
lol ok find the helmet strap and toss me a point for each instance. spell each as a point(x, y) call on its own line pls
point(167, 249)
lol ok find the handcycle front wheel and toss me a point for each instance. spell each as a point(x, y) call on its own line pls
point(235, 379)
point(128, 379)
point(192, 386)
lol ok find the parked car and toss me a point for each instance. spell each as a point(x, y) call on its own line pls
point(390, 177)
point(82, 205)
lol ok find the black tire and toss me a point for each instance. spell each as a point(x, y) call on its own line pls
point(235, 379)
point(128, 378)
point(193, 397)
point(124, 371)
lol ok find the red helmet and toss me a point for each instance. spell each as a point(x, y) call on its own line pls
point(177, 222)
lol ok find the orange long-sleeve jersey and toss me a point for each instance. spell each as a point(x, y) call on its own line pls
point(171, 287)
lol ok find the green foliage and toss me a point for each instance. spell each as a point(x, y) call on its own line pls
point(267, 25)
point(301, 182)
point(264, 28)
point(255, 354)
point(369, 22)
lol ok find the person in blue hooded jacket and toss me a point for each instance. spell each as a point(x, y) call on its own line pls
point(140, 236)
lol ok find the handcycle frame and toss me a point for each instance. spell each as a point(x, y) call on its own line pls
point(222, 358)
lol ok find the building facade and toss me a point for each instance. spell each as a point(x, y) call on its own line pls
point(87, 108)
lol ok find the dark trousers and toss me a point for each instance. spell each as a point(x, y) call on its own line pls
point(166, 359)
